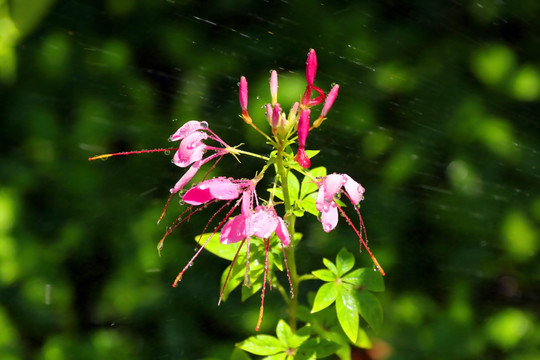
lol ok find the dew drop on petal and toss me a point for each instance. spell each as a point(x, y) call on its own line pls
point(327, 227)
point(204, 124)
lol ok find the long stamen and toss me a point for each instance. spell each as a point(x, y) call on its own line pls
point(377, 265)
point(261, 310)
point(179, 220)
point(288, 273)
point(179, 277)
point(165, 208)
point(229, 272)
point(106, 156)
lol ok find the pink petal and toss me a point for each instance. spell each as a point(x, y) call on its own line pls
point(247, 203)
point(186, 178)
point(191, 149)
point(332, 184)
point(263, 223)
point(329, 218)
point(234, 230)
point(219, 188)
point(282, 232)
point(187, 129)
point(354, 189)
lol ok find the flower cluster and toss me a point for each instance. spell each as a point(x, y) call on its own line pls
point(258, 221)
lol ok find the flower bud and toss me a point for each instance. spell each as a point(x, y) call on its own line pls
point(274, 87)
point(311, 67)
point(327, 105)
point(276, 113)
point(303, 127)
point(243, 93)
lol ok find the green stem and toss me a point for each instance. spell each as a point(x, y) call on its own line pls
point(289, 216)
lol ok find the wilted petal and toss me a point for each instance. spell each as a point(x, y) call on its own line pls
point(191, 149)
point(220, 189)
point(234, 230)
point(302, 159)
point(187, 129)
point(354, 189)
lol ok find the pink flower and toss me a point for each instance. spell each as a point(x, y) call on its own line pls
point(303, 130)
point(328, 189)
point(261, 222)
point(192, 149)
point(330, 100)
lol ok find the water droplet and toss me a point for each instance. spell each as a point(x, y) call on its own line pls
point(204, 124)
point(258, 97)
point(104, 158)
point(174, 120)
point(377, 268)
point(327, 227)
point(167, 152)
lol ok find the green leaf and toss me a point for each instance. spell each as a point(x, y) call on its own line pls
point(324, 275)
point(262, 345)
point(330, 265)
point(325, 296)
point(236, 277)
point(347, 313)
point(294, 187)
point(226, 252)
point(370, 308)
point(280, 356)
point(283, 331)
point(365, 278)
point(308, 185)
point(316, 348)
point(238, 354)
point(309, 204)
point(344, 261)
point(312, 153)
point(362, 341)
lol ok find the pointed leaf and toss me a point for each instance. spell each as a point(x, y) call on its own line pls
point(347, 314)
point(330, 265)
point(325, 296)
point(283, 331)
point(312, 153)
point(365, 278)
point(344, 261)
point(226, 252)
point(370, 308)
point(262, 345)
point(324, 275)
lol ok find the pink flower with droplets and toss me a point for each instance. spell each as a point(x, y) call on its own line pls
point(330, 186)
point(192, 149)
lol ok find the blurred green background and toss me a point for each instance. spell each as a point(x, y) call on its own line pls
point(437, 117)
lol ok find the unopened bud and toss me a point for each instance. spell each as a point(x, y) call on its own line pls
point(303, 127)
point(243, 95)
point(276, 112)
point(311, 67)
point(274, 87)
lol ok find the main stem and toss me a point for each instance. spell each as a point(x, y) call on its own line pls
point(291, 218)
